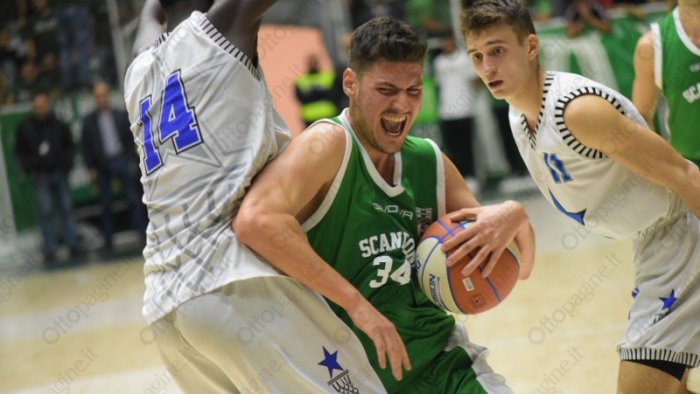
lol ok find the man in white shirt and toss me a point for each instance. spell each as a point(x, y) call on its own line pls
point(458, 84)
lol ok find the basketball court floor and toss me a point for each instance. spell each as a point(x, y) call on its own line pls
point(80, 330)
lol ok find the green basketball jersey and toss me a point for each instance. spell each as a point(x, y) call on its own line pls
point(368, 230)
point(677, 73)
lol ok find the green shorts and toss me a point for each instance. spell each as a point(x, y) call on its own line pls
point(461, 368)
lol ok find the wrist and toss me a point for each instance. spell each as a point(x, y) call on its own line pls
point(351, 299)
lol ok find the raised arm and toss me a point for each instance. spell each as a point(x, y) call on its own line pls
point(151, 25)
point(598, 125)
point(239, 21)
point(645, 93)
point(496, 226)
point(287, 192)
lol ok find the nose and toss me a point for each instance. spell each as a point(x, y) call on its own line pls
point(402, 103)
point(489, 67)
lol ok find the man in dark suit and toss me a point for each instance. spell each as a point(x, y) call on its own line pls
point(44, 148)
point(108, 150)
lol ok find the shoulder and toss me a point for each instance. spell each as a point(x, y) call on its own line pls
point(590, 113)
point(422, 147)
point(323, 141)
point(645, 44)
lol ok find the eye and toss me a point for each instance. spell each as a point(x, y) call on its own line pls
point(476, 57)
point(414, 91)
point(499, 51)
point(386, 91)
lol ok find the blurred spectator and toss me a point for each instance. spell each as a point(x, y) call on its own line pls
point(74, 43)
point(315, 92)
point(41, 34)
point(103, 46)
point(586, 13)
point(31, 81)
point(457, 83)
point(108, 151)
point(13, 11)
point(558, 8)
point(431, 17)
point(541, 10)
point(363, 10)
point(9, 62)
point(44, 148)
point(631, 7)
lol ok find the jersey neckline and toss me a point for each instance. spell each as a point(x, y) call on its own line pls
point(683, 35)
point(380, 182)
point(532, 134)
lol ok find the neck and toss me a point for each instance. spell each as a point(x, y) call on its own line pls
point(180, 11)
point(528, 99)
point(383, 162)
point(689, 13)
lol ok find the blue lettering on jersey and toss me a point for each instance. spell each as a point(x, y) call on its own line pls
point(577, 216)
point(151, 159)
point(177, 121)
point(556, 168)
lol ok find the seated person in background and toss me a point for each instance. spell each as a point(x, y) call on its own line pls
point(582, 13)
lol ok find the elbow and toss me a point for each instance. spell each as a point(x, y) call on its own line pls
point(244, 225)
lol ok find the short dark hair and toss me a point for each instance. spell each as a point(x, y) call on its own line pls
point(487, 13)
point(384, 38)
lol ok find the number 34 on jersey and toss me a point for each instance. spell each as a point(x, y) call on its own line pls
point(379, 246)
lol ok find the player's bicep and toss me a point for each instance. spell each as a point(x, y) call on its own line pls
point(457, 193)
point(644, 91)
point(597, 124)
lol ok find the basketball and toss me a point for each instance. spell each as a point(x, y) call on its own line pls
point(446, 287)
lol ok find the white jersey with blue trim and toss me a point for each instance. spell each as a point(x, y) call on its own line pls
point(204, 124)
point(583, 183)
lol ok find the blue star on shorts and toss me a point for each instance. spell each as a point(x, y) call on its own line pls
point(669, 301)
point(330, 361)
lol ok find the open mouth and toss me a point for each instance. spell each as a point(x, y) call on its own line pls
point(393, 125)
point(495, 84)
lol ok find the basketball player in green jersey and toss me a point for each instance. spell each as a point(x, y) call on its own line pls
point(346, 202)
point(667, 60)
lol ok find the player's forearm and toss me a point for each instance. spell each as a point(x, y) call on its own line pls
point(280, 240)
point(525, 240)
point(689, 191)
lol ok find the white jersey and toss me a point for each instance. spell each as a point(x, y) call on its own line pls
point(204, 124)
point(581, 182)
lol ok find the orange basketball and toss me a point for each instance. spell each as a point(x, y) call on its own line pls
point(445, 285)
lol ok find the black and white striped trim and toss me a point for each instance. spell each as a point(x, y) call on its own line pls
point(685, 358)
point(569, 138)
point(226, 45)
point(531, 134)
point(161, 39)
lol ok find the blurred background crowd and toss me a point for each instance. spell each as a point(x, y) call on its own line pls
point(69, 171)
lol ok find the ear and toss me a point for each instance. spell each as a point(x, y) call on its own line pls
point(349, 82)
point(533, 47)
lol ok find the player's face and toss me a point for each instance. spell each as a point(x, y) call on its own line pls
point(501, 60)
point(384, 102)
